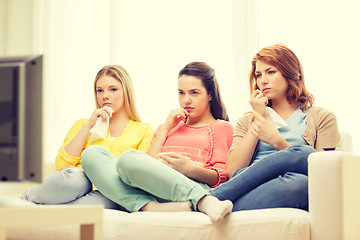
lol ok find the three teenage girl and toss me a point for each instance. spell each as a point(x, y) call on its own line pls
point(266, 164)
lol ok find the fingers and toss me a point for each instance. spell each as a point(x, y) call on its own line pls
point(172, 157)
point(181, 117)
point(264, 129)
point(258, 102)
point(108, 110)
point(257, 94)
point(105, 113)
point(169, 157)
point(182, 114)
point(176, 116)
point(166, 158)
point(258, 97)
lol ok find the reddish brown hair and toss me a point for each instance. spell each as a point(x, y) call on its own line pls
point(285, 60)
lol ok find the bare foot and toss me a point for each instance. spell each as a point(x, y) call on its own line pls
point(154, 206)
point(215, 208)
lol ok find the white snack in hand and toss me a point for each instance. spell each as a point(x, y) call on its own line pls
point(101, 128)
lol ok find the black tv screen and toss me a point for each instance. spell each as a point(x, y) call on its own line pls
point(21, 118)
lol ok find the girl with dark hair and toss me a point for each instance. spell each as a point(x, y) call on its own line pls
point(267, 162)
point(173, 182)
point(207, 76)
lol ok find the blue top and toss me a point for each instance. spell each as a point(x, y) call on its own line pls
point(296, 125)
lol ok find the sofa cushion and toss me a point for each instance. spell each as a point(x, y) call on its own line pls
point(277, 223)
point(345, 142)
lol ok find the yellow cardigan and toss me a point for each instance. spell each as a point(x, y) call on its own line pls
point(136, 135)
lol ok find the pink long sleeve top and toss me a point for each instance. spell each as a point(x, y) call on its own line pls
point(215, 139)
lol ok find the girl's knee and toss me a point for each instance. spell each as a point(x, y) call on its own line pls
point(90, 153)
point(91, 150)
point(127, 161)
point(60, 187)
point(130, 164)
point(128, 158)
point(302, 149)
point(295, 184)
point(299, 156)
point(74, 178)
point(68, 175)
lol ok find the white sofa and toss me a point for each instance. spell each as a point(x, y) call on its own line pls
point(334, 197)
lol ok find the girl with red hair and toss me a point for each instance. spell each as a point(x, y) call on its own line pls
point(267, 162)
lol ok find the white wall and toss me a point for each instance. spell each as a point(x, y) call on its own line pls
point(155, 39)
point(325, 36)
point(152, 39)
point(75, 43)
point(17, 34)
point(3, 27)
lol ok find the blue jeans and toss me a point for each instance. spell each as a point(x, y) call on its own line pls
point(278, 180)
point(69, 186)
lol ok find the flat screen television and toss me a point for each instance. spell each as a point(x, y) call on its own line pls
point(21, 118)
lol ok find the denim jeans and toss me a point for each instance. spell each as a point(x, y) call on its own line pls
point(278, 180)
point(69, 186)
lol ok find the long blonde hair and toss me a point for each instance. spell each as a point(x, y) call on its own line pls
point(120, 74)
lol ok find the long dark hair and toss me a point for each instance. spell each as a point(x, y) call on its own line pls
point(207, 76)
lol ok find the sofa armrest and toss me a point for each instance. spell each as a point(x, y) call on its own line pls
point(334, 195)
